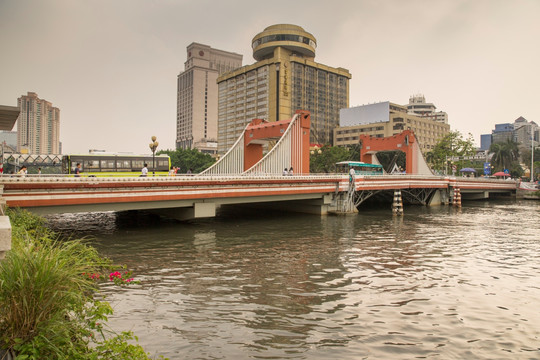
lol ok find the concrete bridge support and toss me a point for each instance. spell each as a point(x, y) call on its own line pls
point(323, 206)
point(482, 195)
point(440, 197)
point(197, 211)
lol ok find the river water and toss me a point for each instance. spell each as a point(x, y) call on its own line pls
point(438, 282)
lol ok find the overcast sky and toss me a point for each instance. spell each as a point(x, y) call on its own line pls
point(110, 66)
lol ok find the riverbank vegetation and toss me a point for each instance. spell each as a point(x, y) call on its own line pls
point(452, 144)
point(189, 159)
point(324, 159)
point(48, 307)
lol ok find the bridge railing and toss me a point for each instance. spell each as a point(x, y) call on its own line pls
point(342, 178)
point(165, 178)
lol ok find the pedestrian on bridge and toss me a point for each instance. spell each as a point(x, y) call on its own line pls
point(144, 171)
point(78, 170)
point(23, 171)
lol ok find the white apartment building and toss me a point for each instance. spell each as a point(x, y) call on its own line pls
point(419, 107)
point(38, 126)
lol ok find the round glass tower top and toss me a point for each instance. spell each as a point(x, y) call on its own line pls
point(290, 37)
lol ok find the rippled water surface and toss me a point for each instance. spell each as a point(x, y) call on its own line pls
point(438, 283)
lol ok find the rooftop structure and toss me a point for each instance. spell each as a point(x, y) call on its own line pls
point(418, 106)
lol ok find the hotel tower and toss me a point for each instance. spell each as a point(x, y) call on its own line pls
point(284, 79)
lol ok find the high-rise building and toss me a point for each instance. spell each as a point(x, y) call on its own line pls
point(502, 133)
point(419, 107)
point(485, 141)
point(38, 126)
point(521, 131)
point(284, 79)
point(196, 113)
point(386, 119)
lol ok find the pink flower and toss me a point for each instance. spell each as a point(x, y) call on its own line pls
point(115, 274)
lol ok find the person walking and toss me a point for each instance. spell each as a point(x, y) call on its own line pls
point(23, 171)
point(78, 170)
point(144, 171)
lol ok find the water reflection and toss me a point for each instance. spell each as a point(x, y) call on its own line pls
point(445, 282)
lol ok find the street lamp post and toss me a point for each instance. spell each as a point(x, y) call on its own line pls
point(153, 146)
point(532, 153)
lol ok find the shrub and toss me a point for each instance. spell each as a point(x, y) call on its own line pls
point(48, 310)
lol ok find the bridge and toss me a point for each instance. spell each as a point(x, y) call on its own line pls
point(245, 176)
point(187, 197)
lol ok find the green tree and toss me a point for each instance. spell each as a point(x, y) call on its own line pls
point(516, 171)
point(526, 158)
point(505, 155)
point(188, 159)
point(324, 159)
point(452, 144)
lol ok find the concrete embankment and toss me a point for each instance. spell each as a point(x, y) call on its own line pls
point(5, 236)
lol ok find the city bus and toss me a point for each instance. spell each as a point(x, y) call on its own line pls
point(360, 168)
point(107, 164)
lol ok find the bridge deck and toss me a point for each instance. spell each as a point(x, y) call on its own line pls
point(69, 194)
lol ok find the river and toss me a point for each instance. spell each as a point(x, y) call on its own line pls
point(439, 282)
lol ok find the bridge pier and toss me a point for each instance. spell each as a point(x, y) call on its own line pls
point(323, 206)
point(397, 204)
point(456, 198)
point(439, 197)
point(476, 196)
point(198, 210)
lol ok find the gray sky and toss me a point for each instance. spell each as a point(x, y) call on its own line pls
point(110, 66)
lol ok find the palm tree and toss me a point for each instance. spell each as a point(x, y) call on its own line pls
point(504, 154)
point(497, 159)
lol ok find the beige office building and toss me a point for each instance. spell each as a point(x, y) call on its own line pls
point(284, 79)
point(38, 126)
point(197, 97)
point(387, 119)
